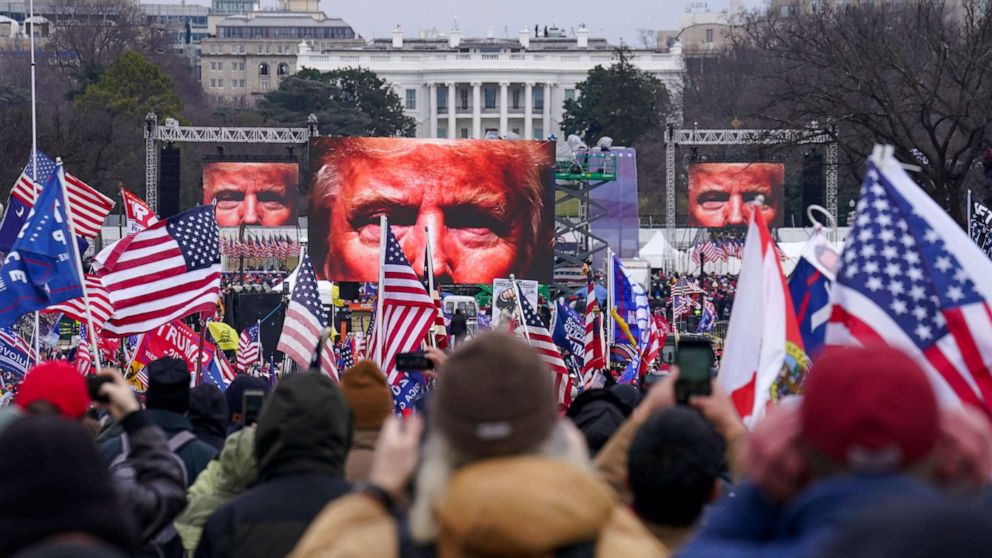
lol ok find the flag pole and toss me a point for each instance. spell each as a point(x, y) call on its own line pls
point(199, 349)
point(520, 307)
point(74, 246)
point(261, 353)
point(610, 303)
point(969, 216)
point(429, 268)
point(34, 174)
point(383, 226)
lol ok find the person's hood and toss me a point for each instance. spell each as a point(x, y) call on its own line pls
point(598, 414)
point(522, 506)
point(237, 462)
point(305, 427)
point(208, 410)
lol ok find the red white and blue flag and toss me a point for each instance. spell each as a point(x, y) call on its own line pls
point(249, 349)
point(592, 341)
point(912, 279)
point(305, 319)
point(540, 339)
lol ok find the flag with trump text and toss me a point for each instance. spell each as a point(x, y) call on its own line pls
point(537, 336)
point(41, 267)
point(16, 354)
point(166, 272)
point(763, 356)
point(305, 319)
point(980, 226)
point(408, 311)
point(139, 215)
point(911, 278)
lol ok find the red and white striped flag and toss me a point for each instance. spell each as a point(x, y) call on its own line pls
point(169, 271)
point(304, 318)
point(593, 344)
point(100, 306)
point(89, 207)
point(539, 338)
point(248, 348)
point(328, 362)
point(84, 360)
point(408, 311)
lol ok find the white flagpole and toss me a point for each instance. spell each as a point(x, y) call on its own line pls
point(610, 302)
point(78, 260)
point(379, 325)
point(969, 217)
point(261, 353)
point(34, 165)
point(520, 307)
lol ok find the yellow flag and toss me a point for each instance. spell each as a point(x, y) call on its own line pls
point(224, 336)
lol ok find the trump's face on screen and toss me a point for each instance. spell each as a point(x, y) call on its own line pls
point(720, 194)
point(252, 193)
point(481, 203)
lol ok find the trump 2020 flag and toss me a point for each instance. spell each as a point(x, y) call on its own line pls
point(810, 285)
point(763, 357)
point(632, 306)
point(40, 269)
point(912, 279)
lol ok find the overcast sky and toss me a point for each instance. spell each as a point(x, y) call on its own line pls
point(610, 19)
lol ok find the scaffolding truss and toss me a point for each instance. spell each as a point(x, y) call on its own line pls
point(172, 132)
point(575, 179)
point(812, 135)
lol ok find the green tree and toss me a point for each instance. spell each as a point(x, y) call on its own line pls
point(620, 101)
point(133, 86)
point(347, 102)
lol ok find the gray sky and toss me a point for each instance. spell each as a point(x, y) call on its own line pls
point(611, 19)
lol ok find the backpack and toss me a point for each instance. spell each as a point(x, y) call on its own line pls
point(122, 470)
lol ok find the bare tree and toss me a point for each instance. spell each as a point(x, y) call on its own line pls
point(913, 74)
point(91, 34)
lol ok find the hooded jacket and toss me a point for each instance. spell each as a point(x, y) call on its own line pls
point(522, 507)
point(301, 440)
point(224, 478)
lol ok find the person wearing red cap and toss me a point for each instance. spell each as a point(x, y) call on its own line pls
point(868, 432)
point(54, 387)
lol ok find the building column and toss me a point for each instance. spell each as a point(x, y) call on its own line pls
point(528, 109)
point(476, 110)
point(547, 109)
point(503, 102)
point(452, 123)
point(433, 116)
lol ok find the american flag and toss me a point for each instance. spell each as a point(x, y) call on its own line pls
point(84, 360)
point(708, 250)
point(100, 306)
point(347, 358)
point(329, 362)
point(912, 279)
point(683, 287)
point(305, 318)
point(365, 344)
point(539, 338)
point(163, 273)
point(89, 207)
point(592, 340)
point(651, 350)
point(681, 304)
point(408, 311)
point(248, 348)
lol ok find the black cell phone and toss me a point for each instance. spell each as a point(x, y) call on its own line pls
point(93, 384)
point(413, 361)
point(695, 361)
point(252, 406)
point(649, 380)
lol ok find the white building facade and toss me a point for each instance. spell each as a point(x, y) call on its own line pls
point(468, 88)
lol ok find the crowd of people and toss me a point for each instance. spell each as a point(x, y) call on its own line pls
point(865, 464)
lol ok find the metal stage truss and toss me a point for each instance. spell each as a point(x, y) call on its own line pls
point(575, 179)
point(172, 132)
point(812, 135)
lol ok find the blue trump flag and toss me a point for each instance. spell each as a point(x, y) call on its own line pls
point(19, 206)
point(569, 330)
point(809, 286)
point(40, 269)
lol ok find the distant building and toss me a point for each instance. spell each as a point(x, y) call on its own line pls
point(457, 87)
point(701, 32)
point(248, 55)
point(185, 25)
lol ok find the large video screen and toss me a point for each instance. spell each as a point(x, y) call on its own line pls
point(720, 193)
point(263, 194)
point(488, 206)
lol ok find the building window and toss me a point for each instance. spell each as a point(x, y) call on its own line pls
point(411, 99)
point(213, 84)
point(442, 132)
point(263, 69)
point(464, 99)
point(516, 98)
point(709, 35)
point(569, 94)
point(263, 84)
point(516, 131)
point(539, 98)
point(490, 97)
point(282, 69)
point(464, 133)
point(220, 84)
point(258, 49)
point(220, 66)
point(442, 99)
point(538, 133)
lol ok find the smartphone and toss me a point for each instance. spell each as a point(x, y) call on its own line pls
point(649, 380)
point(252, 406)
point(93, 384)
point(695, 361)
point(413, 361)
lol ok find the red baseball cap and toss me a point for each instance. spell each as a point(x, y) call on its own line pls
point(58, 383)
point(872, 409)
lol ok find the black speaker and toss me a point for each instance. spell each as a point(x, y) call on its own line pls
point(248, 308)
point(168, 181)
point(812, 183)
